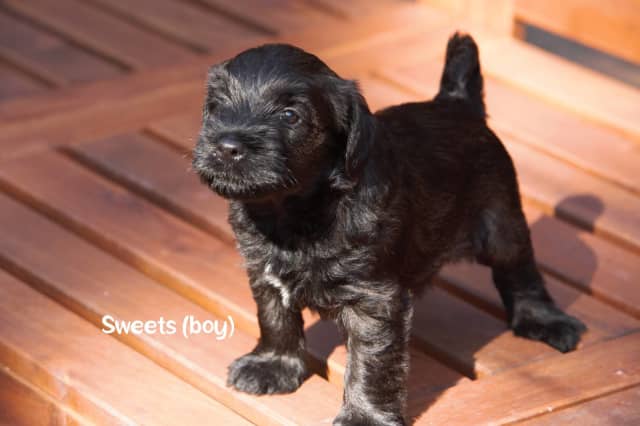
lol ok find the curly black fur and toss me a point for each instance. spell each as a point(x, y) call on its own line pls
point(351, 213)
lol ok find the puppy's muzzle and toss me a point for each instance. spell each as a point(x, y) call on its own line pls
point(229, 149)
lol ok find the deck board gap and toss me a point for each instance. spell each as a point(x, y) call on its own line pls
point(167, 141)
point(73, 42)
point(25, 72)
point(580, 224)
point(245, 21)
point(327, 9)
point(520, 139)
point(164, 203)
point(149, 28)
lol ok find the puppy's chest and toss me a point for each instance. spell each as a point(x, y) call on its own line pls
point(298, 278)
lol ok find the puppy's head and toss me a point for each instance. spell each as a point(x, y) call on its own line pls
point(277, 121)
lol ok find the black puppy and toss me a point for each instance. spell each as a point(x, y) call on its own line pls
point(351, 214)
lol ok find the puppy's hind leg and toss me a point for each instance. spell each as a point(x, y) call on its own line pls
point(502, 242)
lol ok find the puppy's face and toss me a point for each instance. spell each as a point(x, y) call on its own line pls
point(276, 120)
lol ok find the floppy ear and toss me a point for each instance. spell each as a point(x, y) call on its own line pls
point(356, 123)
point(214, 82)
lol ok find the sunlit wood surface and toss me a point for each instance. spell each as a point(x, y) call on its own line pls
point(100, 215)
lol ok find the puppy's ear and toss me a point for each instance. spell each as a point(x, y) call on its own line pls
point(356, 123)
point(215, 81)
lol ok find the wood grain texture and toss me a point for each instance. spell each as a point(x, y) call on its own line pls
point(74, 116)
point(45, 254)
point(278, 17)
point(22, 404)
point(404, 19)
point(540, 387)
point(603, 321)
point(182, 21)
point(105, 33)
point(593, 95)
point(590, 263)
point(619, 409)
point(49, 56)
point(76, 364)
point(14, 83)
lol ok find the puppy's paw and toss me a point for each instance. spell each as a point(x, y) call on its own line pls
point(267, 374)
point(351, 417)
point(538, 320)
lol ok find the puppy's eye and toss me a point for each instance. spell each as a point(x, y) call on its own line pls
point(211, 106)
point(289, 116)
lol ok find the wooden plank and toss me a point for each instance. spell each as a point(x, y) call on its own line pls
point(602, 321)
point(612, 28)
point(13, 83)
point(190, 25)
point(49, 56)
point(495, 16)
point(161, 175)
point(73, 115)
point(403, 19)
point(577, 196)
point(46, 255)
point(167, 249)
point(592, 264)
point(352, 10)
point(593, 95)
point(275, 17)
point(620, 409)
point(401, 50)
point(99, 120)
point(473, 341)
point(162, 247)
point(434, 324)
point(591, 147)
point(180, 130)
point(77, 365)
point(540, 387)
point(24, 405)
point(112, 37)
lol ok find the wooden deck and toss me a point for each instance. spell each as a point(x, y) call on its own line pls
point(99, 215)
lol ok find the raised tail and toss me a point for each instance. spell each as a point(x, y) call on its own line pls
point(461, 78)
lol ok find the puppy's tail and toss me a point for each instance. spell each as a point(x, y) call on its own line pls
point(461, 79)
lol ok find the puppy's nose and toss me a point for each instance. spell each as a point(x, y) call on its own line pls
point(231, 149)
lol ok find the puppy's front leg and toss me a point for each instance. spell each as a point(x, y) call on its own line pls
point(276, 365)
point(377, 329)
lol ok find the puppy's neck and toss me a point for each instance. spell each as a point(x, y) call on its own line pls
point(304, 214)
